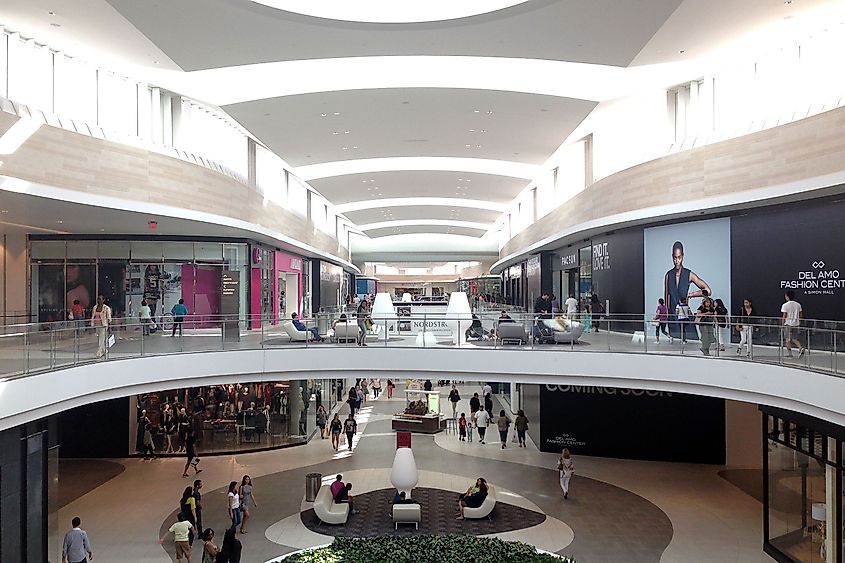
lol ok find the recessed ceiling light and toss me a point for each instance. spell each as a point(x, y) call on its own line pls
point(478, 146)
point(355, 146)
point(472, 130)
point(489, 112)
point(484, 130)
point(460, 179)
point(335, 133)
point(323, 114)
point(363, 181)
point(336, 113)
point(468, 180)
point(102, 230)
point(346, 132)
point(372, 180)
point(345, 148)
point(59, 221)
point(467, 146)
point(476, 111)
point(4, 210)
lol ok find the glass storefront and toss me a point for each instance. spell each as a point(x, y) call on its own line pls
point(127, 272)
point(233, 417)
point(802, 478)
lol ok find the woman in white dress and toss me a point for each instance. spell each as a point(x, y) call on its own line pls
point(566, 467)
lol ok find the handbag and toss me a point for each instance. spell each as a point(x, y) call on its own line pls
point(195, 461)
point(110, 342)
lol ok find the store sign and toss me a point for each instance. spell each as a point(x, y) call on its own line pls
point(437, 327)
point(296, 264)
point(819, 279)
point(230, 304)
point(601, 256)
point(569, 261)
point(256, 255)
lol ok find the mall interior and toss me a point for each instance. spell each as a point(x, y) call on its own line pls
point(265, 238)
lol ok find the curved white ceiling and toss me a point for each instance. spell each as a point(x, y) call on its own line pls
point(583, 81)
point(418, 202)
point(390, 11)
point(390, 164)
point(425, 222)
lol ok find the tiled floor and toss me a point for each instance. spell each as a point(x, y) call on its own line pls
point(617, 510)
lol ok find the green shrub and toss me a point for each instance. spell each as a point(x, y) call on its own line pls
point(424, 549)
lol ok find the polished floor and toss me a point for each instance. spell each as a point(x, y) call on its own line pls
point(617, 510)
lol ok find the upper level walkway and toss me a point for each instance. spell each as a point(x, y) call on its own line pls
point(51, 368)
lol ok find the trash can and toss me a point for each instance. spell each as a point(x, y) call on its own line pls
point(313, 481)
point(323, 322)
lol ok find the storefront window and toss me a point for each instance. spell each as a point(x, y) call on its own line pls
point(803, 473)
point(234, 417)
point(585, 270)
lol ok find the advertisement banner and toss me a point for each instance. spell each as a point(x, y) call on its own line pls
point(684, 261)
point(632, 424)
point(796, 248)
point(51, 293)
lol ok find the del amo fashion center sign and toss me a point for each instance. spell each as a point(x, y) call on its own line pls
point(821, 280)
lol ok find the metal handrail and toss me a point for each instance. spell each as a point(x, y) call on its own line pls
point(38, 347)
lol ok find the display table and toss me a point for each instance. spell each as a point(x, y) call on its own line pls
point(422, 424)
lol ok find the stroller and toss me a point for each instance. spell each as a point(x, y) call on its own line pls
point(541, 333)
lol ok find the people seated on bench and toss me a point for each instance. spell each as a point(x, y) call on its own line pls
point(343, 496)
point(341, 319)
point(473, 498)
point(300, 326)
point(337, 486)
point(401, 498)
point(476, 330)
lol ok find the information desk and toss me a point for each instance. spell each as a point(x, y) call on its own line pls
point(421, 424)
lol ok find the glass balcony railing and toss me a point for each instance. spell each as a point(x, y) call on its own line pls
point(39, 347)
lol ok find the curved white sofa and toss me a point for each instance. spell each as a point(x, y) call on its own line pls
point(329, 511)
point(486, 507)
point(571, 333)
point(345, 332)
point(295, 335)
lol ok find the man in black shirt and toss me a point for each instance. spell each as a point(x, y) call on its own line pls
point(474, 403)
point(427, 385)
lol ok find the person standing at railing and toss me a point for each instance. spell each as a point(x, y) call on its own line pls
point(705, 318)
point(362, 316)
point(722, 324)
point(745, 326)
point(683, 313)
point(661, 319)
point(77, 312)
point(100, 320)
point(145, 315)
point(180, 311)
point(792, 315)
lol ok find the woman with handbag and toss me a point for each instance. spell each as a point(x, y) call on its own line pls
point(566, 468)
point(722, 326)
point(745, 326)
point(100, 320)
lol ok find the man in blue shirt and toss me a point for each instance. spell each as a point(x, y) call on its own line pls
point(300, 326)
point(179, 313)
point(76, 547)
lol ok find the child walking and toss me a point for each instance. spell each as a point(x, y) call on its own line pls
point(462, 427)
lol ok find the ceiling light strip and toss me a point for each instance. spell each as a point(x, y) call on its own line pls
point(425, 223)
point(417, 163)
point(364, 205)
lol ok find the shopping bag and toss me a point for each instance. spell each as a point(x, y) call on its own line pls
point(110, 341)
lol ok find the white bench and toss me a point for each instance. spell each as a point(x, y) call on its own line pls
point(486, 507)
point(406, 514)
point(329, 511)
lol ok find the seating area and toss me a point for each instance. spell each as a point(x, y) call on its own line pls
point(344, 332)
point(511, 333)
point(327, 510)
point(564, 331)
point(486, 507)
point(407, 514)
point(295, 334)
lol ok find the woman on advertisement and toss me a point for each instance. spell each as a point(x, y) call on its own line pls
point(676, 285)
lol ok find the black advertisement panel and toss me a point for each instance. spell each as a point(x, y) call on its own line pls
point(617, 271)
point(112, 286)
point(792, 247)
point(632, 424)
point(51, 293)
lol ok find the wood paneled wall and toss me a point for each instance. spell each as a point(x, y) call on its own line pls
point(62, 159)
point(800, 150)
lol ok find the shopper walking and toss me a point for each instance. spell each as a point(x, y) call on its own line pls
point(350, 428)
point(504, 424)
point(390, 388)
point(792, 315)
point(745, 326)
point(168, 422)
point(661, 320)
point(462, 427)
point(247, 500)
point(482, 419)
point(321, 421)
point(470, 423)
point(181, 530)
point(191, 454)
point(474, 403)
point(723, 328)
point(179, 313)
point(149, 446)
point(188, 508)
point(705, 318)
point(145, 315)
point(335, 429)
point(76, 547)
point(566, 468)
point(209, 548)
point(488, 405)
point(376, 385)
point(234, 505)
point(454, 398)
point(363, 315)
point(521, 425)
point(230, 551)
point(198, 504)
point(100, 320)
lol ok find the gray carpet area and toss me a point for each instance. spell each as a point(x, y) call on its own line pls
point(438, 511)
